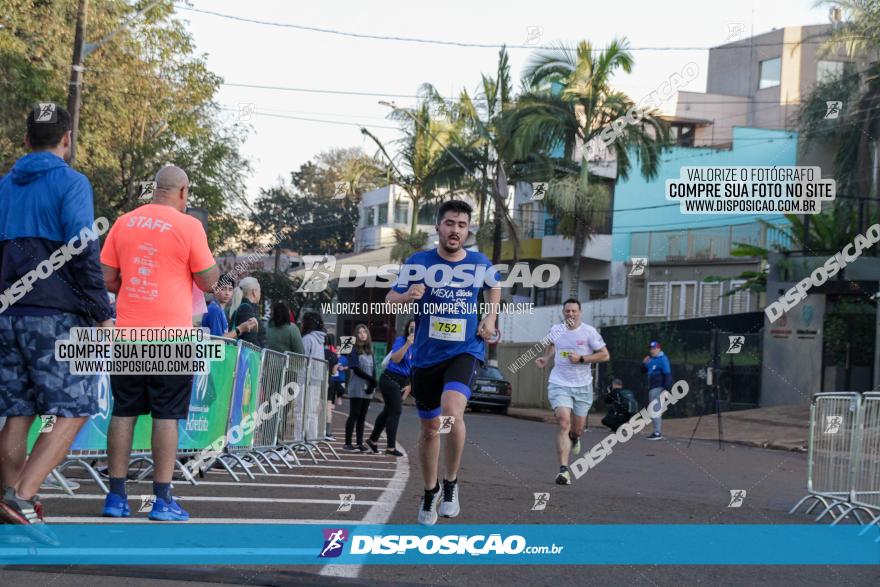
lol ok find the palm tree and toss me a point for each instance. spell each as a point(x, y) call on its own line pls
point(857, 126)
point(567, 104)
point(488, 146)
point(423, 166)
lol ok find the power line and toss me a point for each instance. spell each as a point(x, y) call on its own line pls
point(339, 122)
point(468, 44)
point(320, 91)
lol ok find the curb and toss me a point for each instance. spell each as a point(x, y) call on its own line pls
point(750, 443)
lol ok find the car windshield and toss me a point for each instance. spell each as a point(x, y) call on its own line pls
point(491, 373)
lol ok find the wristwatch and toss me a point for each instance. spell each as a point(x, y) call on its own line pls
point(237, 332)
point(581, 360)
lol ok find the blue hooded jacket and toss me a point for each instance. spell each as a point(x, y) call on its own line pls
point(659, 371)
point(44, 204)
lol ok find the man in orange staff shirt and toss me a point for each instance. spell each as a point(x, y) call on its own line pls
point(151, 259)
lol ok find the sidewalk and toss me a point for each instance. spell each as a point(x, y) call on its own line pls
point(779, 428)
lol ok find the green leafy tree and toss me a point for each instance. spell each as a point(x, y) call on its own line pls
point(856, 127)
point(422, 165)
point(567, 104)
point(489, 148)
point(147, 99)
point(826, 233)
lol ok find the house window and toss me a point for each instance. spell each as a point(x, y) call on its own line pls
point(770, 73)
point(401, 212)
point(428, 214)
point(382, 213)
point(682, 299)
point(740, 301)
point(828, 70)
point(549, 296)
point(656, 299)
point(710, 299)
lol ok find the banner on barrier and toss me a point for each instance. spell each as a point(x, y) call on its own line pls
point(93, 435)
point(209, 403)
point(206, 420)
point(245, 392)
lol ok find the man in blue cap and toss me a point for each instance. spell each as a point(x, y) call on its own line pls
point(656, 365)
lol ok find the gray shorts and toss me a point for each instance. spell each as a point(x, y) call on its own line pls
point(576, 399)
point(34, 383)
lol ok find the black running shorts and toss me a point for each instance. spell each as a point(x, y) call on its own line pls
point(165, 397)
point(430, 383)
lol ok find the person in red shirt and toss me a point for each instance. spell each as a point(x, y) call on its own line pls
point(151, 258)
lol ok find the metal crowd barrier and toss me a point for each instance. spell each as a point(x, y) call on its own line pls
point(272, 380)
point(296, 427)
point(866, 492)
point(304, 418)
point(843, 462)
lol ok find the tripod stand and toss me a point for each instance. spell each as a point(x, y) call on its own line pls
point(711, 381)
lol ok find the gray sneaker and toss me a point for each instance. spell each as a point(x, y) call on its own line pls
point(428, 507)
point(449, 507)
point(52, 483)
point(27, 513)
point(576, 446)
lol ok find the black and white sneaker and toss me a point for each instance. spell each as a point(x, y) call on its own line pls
point(428, 507)
point(575, 445)
point(655, 436)
point(449, 507)
point(564, 476)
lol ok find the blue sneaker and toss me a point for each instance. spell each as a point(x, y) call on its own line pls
point(116, 506)
point(168, 511)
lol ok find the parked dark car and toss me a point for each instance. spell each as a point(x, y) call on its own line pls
point(491, 391)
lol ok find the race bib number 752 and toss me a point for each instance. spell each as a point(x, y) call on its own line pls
point(447, 328)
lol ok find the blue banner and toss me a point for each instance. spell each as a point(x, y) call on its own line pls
point(281, 544)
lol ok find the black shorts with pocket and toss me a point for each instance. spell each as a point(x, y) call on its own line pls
point(165, 397)
point(429, 383)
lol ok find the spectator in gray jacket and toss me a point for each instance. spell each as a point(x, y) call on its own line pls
point(360, 387)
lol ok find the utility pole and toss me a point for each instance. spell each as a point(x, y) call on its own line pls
point(74, 96)
point(81, 50)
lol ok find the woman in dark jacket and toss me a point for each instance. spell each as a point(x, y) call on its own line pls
point(360, 387)
point(394, 385)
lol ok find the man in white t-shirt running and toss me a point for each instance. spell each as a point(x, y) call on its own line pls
point(570, 389)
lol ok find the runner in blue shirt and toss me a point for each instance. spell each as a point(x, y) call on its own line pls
point(448, 347)
point(394, 385)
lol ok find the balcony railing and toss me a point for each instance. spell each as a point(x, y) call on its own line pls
point(703, 244)
point(538, 224)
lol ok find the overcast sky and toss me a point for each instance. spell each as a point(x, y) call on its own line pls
point(258, 54)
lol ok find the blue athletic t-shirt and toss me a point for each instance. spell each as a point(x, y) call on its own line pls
point(404, 367)
point(215, 320)
point(448, 313)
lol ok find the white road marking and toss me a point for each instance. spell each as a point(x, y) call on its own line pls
point(310, 466)
point(233, 499)
point(377, 514)
point(145, 520)
point(184, 485)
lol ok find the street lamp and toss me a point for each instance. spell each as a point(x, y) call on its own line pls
point(81, 50)
point(396, 108)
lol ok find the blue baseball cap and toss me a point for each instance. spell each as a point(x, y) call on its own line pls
point(654, 344)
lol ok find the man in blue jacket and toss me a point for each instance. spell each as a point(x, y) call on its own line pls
point(50, 282)
point(656, 365)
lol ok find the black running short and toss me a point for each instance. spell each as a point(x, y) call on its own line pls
point(165, 397)
point(430, 383)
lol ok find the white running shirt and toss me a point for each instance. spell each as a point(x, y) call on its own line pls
point(583, 340)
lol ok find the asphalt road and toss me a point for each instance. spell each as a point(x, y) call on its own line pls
point(505, 463)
